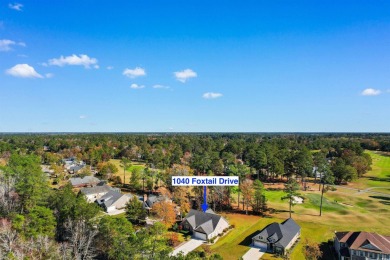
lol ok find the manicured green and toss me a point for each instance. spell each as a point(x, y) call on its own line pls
point(313, 201)
point(379, 176)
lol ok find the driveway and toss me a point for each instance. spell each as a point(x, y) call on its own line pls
point(253, 253)
point(187, 247)
point(116, 212)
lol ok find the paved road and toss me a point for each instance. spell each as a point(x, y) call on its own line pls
point(253, 253)
point(187, 247)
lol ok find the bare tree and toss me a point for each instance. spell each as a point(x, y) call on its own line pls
point(9, 199)
point(80, 236)
point(8, 239)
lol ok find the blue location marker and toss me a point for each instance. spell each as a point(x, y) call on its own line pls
point(204, 205)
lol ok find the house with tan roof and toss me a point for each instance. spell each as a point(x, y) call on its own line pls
point(361, 246)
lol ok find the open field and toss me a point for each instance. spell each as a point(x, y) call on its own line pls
point(134, 165)
point(362, 212)
point(343, 209)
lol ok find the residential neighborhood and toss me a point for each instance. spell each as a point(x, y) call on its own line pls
point(195, 130)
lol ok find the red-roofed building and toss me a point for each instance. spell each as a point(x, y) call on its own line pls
point(362, 246)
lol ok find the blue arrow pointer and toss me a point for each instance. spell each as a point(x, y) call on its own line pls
point(204, 205)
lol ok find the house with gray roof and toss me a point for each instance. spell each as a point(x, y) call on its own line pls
point(96, 192)
point(277, 237)
point(72, 165)
point(113, 201)
point(84, 182)
point(204, 225)
point(150, 200)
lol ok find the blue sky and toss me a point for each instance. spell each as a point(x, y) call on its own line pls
point(191, 66)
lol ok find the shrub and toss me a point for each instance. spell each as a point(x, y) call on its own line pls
point(173, 239)
point(206, 249)
point(175, 227)
point(117, 180)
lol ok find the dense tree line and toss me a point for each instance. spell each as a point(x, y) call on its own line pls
point(265, 154)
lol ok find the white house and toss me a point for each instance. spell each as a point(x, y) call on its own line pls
point(204, 225)
point(113, 201)
point(96, 192)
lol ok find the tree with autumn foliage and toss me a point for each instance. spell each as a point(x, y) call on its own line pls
point(180, 193)
point(247, 194)
point(165, 211)
point(106, 170)
point(311, 250)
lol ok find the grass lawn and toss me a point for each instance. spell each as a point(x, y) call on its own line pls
point(235, 244)
point(379, 176)
point(134, 165)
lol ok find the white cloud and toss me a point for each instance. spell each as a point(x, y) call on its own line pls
point(133, 73)
point(183, 75)
point(23, 71)
point(49, 75)
point(82, 116)
point(5, 44)
point(15, 6)
point(22, 56)
point(74, 60)
point(371, 92)
point(136, 86)
point(160, 86)
point(110, 67)
point(211, 95)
